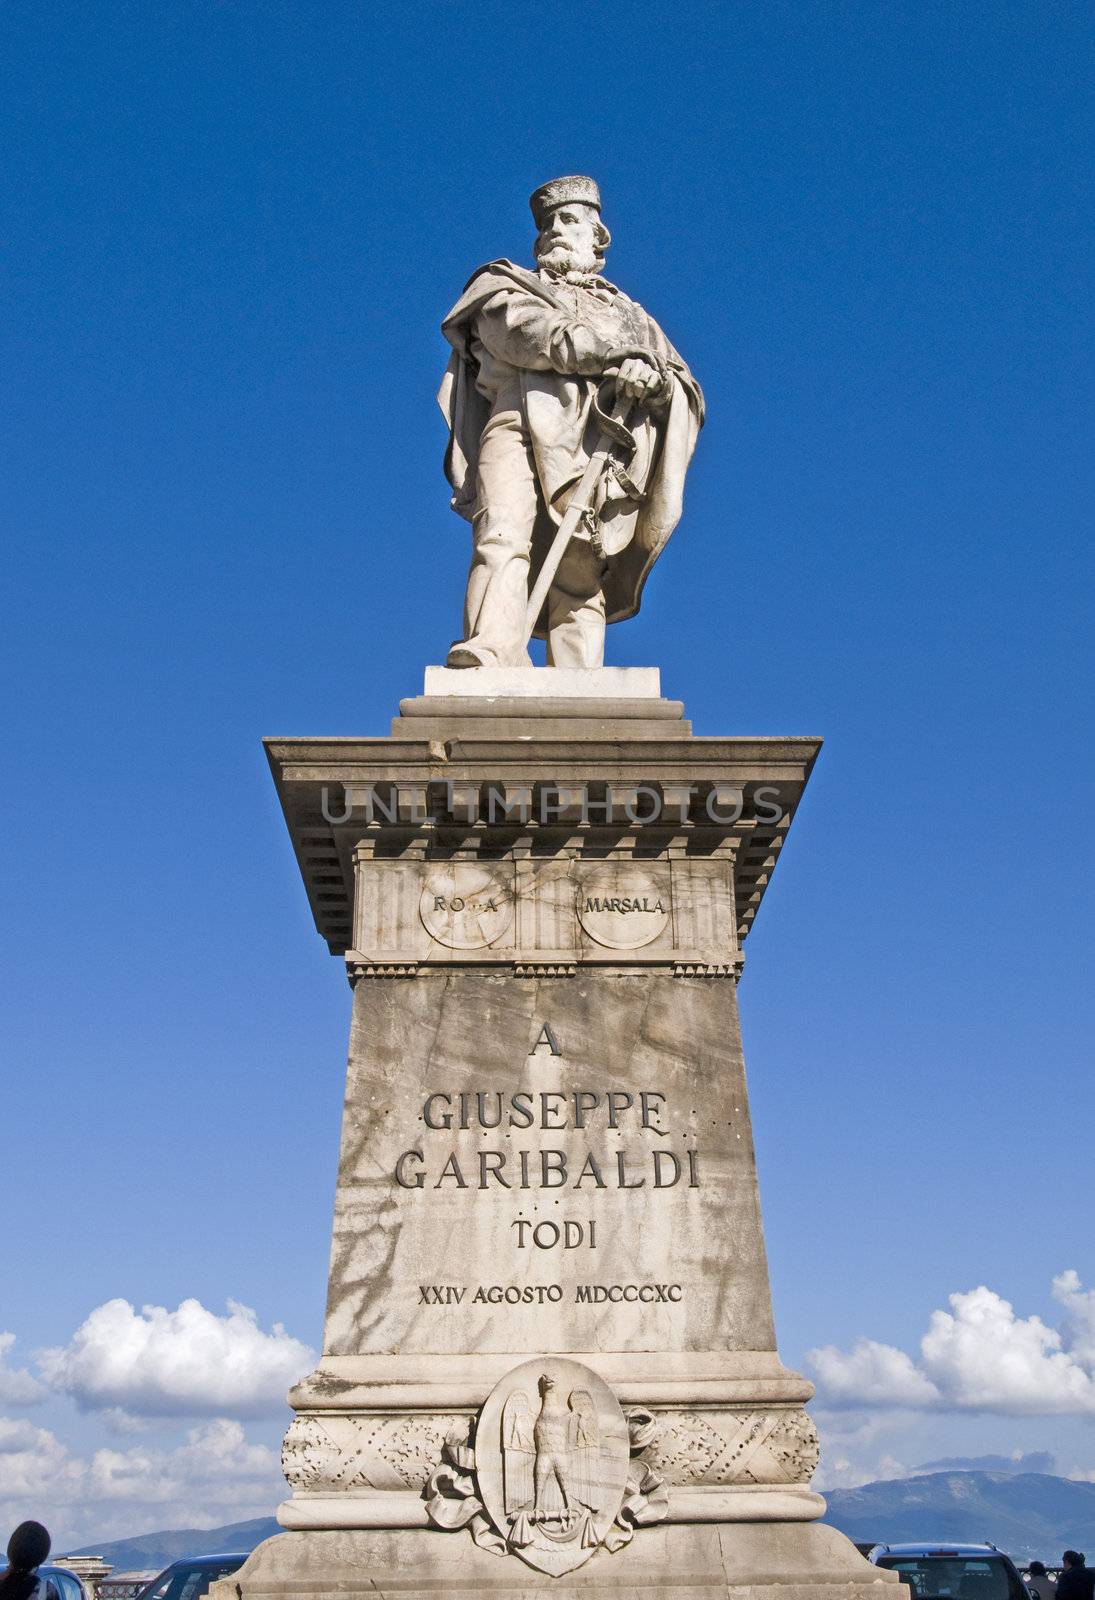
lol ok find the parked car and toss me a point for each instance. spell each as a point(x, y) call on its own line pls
point(953, 1571)
point(66, 1583)
point(190, 1578)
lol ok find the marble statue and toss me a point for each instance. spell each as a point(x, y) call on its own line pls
point(572, 422)
point(549, 1366)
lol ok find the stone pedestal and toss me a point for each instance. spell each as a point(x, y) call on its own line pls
point(91, 1570)
point(549, 1359)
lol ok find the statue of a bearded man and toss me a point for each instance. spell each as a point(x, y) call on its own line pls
point(538, 360)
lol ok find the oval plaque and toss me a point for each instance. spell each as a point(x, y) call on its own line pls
point(551, 1460)
point(466, 906)
point(623, 910)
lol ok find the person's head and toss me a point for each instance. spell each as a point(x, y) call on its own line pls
point(28, 1547)
point(1037, 1569)
point(1072, 1558)
point(571, 237)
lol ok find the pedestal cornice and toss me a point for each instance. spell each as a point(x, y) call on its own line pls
point(593, 779)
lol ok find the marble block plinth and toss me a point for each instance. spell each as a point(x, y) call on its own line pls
point(549, 1358)
point(544, 683)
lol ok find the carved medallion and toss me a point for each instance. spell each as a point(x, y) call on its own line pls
point(552, 1459)
point(466, 906)
point(623, 908)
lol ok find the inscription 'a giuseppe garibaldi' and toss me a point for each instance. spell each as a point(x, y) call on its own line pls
point(586, 1167)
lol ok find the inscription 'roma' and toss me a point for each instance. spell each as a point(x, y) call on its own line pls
point(466, 906)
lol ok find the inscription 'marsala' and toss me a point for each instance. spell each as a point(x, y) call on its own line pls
point(623, 904)
point(623, 909)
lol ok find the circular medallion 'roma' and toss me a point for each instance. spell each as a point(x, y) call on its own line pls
point(623, 909)
point(551, 1460)
point(466, 906)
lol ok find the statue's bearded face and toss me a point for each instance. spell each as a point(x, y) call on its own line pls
point(573, 240)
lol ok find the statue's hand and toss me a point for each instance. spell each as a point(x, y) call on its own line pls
point(640, 380)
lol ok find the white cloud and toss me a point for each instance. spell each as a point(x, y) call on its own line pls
point(985, 1358)
point(188, 1362)
point(1078, 1323)
point(215, 1475)
point(33, 1463)
point(17, 1386)
point(978, 1356)
point(215, 1461)
point(870, 1374)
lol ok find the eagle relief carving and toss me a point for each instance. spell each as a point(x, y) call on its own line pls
point(549, 1466)
point(550, 1476)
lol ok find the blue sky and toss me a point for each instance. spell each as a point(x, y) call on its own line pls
point(230, 233)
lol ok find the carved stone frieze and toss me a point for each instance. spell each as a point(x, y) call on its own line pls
point(722, 1446)
point(728, 1446)
point(336, 1451)
point(548, 914)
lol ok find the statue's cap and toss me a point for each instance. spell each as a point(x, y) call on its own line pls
point(560, 192)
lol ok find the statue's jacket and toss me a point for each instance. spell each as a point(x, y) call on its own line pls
point(511, 318)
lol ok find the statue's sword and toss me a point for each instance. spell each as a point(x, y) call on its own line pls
point(581, 507)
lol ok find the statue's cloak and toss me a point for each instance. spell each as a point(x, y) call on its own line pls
point(557, 409)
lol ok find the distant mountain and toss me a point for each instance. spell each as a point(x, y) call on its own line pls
point(1027, 1513)
point(156, 1550)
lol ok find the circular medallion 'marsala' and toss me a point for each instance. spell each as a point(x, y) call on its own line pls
point(465, 906)
point(623, 910)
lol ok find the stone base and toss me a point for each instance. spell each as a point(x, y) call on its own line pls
point(734, 1561)
point(539, 683)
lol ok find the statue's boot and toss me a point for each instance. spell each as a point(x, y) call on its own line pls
point(465, 653)
point(469, 655)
